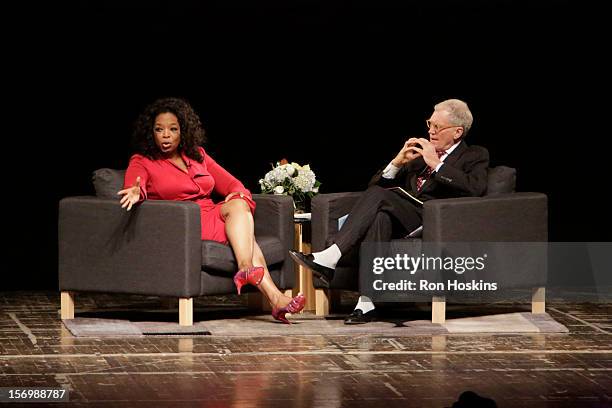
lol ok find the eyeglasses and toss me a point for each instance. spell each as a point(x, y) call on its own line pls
point(435, 128)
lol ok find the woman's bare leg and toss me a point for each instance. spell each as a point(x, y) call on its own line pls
point(276, 298)
point(240, 231)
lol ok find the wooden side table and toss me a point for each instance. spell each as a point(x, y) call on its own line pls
point(301, 242)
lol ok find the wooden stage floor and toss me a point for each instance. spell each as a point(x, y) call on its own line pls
point(308, 370)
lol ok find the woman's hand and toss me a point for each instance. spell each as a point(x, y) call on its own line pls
point(130, 195)
point(230, 195)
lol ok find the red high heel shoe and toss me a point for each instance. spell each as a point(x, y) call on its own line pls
point(295, 306)
point(252, 275)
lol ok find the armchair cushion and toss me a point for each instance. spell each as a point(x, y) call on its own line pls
point(217, 257)
point(107, 182)
point(501, 179)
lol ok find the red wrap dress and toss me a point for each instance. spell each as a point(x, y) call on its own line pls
point(160, 179)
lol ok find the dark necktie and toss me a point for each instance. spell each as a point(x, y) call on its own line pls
point(427, 173)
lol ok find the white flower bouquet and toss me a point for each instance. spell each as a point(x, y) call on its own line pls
point(291, 179)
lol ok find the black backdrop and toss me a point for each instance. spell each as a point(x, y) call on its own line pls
point(337, 84)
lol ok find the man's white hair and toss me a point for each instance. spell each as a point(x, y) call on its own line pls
point(458, 113)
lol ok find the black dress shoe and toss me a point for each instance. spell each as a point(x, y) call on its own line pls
point(358, 317)
point(324, 273)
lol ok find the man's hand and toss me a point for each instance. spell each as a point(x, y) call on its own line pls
point(428, 151)
point(407, 153)
point(130, 195)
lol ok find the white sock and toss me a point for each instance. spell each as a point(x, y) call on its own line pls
point(365, 304)
point(328, 257)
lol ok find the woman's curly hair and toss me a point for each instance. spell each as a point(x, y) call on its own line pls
point(192, 132)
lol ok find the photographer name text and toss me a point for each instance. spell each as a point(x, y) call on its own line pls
point(425, 285)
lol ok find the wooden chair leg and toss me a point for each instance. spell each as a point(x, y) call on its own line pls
point(185, 311)
point(67, 305)
point(321, 302)
point(538, 300)
point(438, 309)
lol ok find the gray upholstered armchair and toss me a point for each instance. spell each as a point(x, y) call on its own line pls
point(104, 248)
point(502, 215)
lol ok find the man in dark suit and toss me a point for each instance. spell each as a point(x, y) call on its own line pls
point(442, 167)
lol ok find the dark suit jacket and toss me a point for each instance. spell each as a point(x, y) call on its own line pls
point(463, 174)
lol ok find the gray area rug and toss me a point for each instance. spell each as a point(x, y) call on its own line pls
point(308, 324)
point(95, 327)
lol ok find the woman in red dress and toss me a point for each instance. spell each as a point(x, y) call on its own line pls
point(170, 164)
